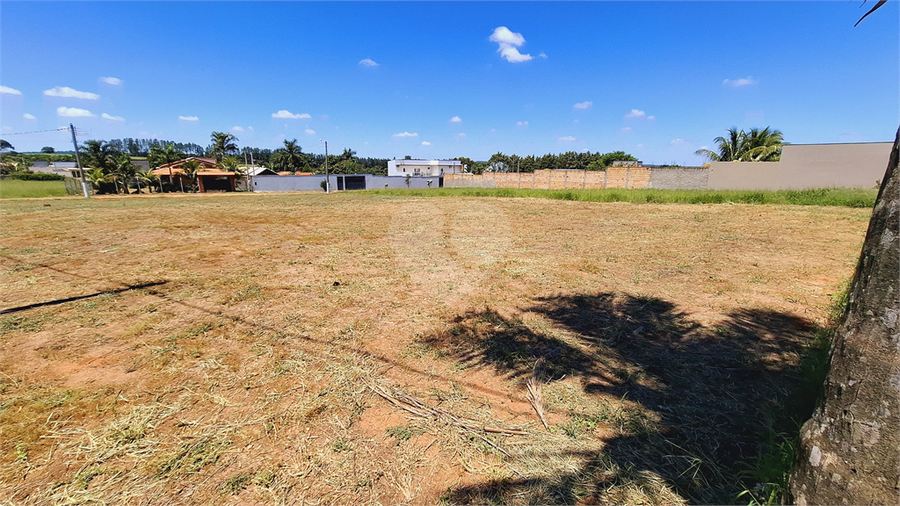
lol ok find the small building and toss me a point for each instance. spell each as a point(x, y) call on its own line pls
point(58, 168)
point(209, 176)
point(424, 168)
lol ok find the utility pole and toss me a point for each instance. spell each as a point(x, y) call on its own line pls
point(84, 185)
point(326, 166)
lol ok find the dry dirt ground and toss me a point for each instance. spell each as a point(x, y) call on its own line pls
point(353, 348)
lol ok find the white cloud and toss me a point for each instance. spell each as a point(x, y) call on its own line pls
point(112, 118)
point(405, 134)
point(522, 123)
point(640, 146)
point(66, 92)
point(188, 118)
point(74, 112)
point(367, 62)
point(426, 143)
point(455, 119)
point(508, 42)
point(237, 129)
point(28, 116)
point(542, 55)
point(651, 118)
point(568, 138)
point(635, 113)
point(736, 83)
point(288, 115)
point(112, 80)
point(576, 122)
point(625, 130)
point(309, 131)
point(460, 136)
point(583, 105)
point(678, 142)
point(6, 90)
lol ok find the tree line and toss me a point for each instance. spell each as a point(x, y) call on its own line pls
point(753, 145)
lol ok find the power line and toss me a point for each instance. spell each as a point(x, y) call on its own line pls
point(39, 131)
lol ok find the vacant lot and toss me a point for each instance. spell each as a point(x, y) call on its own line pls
point(14, 188)
point(359, 348)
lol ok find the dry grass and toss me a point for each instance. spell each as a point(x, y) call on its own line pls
point(213, 349)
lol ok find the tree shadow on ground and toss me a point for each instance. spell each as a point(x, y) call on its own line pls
point(715, 393)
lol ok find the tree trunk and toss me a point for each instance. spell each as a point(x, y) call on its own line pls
point(850, 449)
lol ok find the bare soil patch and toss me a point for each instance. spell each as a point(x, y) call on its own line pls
point(228, 348)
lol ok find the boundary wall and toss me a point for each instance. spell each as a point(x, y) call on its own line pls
point(613, 177)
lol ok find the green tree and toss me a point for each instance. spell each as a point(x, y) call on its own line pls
point(762, 145)
point(191, 168)
point(99, 155)
point(48, 149)
point(289, 158)
point(102, 182)
point(146, 178)
point(123, 170)
point(162, 155)
point(468, 163)
point(753, 146)
point(223, 144)
point(6, 146)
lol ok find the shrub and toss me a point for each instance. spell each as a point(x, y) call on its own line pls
point(36, 176)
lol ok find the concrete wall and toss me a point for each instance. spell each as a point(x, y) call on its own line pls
point(807, 166)
point(679, 178)
point(313, 183)
point(379, 182)
point(290, 183)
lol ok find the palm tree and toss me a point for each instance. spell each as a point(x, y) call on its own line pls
point(223, 144)
point(123, 169)
point(753, 146)
point(762, 145)
point(230, 164)
point(99, 179)
point(729, 147)
point(99, 155)
point(148, 178)
point(191, 168)
point(288, 158)
point(163, 155)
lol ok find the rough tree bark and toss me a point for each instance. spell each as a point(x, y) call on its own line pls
point(850, 449)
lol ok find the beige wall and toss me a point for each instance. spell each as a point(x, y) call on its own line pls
point(807, 166)
point(612, 177)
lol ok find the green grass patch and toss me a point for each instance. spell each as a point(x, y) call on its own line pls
point(842, 197)
point(14, 188)
point(772, 470)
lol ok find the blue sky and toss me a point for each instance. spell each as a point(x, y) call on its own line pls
point(437, 80)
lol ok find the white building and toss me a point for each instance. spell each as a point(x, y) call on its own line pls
point(424, 168)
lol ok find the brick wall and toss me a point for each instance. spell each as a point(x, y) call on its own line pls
point(613, 177)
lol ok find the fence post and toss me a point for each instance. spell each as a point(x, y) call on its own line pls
point(627, 176)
